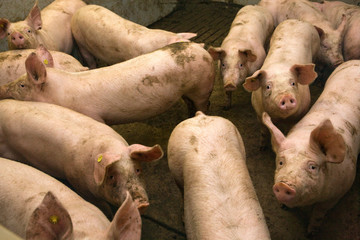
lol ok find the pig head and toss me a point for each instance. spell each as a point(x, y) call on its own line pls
point(114, 174)
point(283, 93)
point(22, 34)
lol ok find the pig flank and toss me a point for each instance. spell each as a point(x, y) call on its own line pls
point(334, 12)
point(281, 86)
point(12, 62)
point(126, 92)
point(72, 146)
point(330, 48)
point(316, 161)
point(37, 206)
point(96, 29)
point(207, 159)
point(239, 56)
point(50, 27)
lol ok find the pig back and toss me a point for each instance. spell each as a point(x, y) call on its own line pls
point(207, 159)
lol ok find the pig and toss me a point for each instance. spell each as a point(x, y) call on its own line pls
point(96, 161)
point(12, 62)
point(105, 35)
point(50, 27)
point(35, 205)
point(281, 86)
point(206, 157)
point(330, 48)
point(316, 161)
point(130, 91)
point(334, 12)
point(242, 51)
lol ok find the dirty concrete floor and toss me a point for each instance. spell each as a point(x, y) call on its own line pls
point(163, 219)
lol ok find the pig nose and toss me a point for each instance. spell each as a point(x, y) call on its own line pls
point(230, 86)
point(283, 192)
point(287, 103)
point(17, 39)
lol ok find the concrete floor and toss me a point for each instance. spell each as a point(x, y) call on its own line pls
point(163, 219)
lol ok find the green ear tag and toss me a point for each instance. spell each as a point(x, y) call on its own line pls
point(54, 219)
point(100, 158)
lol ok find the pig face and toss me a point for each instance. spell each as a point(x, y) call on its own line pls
point(21, 35)
point(234, 65)
point(302, 163)
point(331, 45)
point(115, 174)
point(280, 91)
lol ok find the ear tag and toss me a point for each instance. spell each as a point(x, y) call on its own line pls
point(2, 25)
point(46, 61)
point(54, 219)
point(100, 158)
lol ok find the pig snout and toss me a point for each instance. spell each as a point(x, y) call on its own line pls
point(230, 86)
point(287, 102)
point(283, 192)
point(18, 39)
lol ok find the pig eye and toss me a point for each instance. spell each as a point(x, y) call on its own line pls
point(22, 85)
point(292, 83)
point(268, 86)
point(138, 171)
point(240, 65)
point(8, 34)
point(312, 167)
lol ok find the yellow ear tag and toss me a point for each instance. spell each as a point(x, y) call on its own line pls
point(54, 219)
point(46, 61)
point(100, 158)
point(2, 25)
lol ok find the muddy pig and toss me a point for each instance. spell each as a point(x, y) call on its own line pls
point(316, 161)
point(330, 48)
point(281, 86)
point(334, 12)
point(130, 91)
point(242, 51)
point(207, 159)
point(37, 206)
point(91, 156)
point(50, 27)
point(12, 62)
point(105, 35)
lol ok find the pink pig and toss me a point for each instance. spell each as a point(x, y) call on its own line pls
point(207, 159)
point(334, 12)
point(242, 51)
point(130, 91)
point(281, 86)
point(12, 62)
point(105, 35)
point(37, 206)
point(330, 47)
point(50, 27)
point(91, 156)
point(316, 161)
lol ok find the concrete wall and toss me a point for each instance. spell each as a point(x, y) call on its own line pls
point(143, 12)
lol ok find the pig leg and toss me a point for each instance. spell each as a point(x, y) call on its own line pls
point(318, 213)
point(190, 105)
point(228, 100)
point(88, 57)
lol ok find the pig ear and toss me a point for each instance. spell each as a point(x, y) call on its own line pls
point(34, 17)
point(35, 69)
point(127, 221)
point(277, 137)
point(305, 73)
point(145, 154)
point(320, 31)
point(4, 26)
point(330, 142)
point(342, 25)
point(216, 53)
point(45, 56)
point(102, 166)
point(249, 55)
point(50, 220)
point(253, 82)
point(187, 35)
